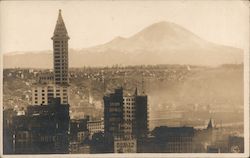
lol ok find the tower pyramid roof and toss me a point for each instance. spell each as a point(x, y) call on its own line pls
point(210, 125)
point(60, 29)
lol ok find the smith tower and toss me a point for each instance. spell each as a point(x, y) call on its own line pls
point(60, 55)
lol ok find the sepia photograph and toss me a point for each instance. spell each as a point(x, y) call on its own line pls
point(126, 78)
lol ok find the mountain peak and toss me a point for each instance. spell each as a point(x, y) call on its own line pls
point(167, 32)
point(161, 24)
point(160, 43)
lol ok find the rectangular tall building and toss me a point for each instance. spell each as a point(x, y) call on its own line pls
point(141, 116)
point(113, 113)
point(56, 84)
point(129, 107)
point(60, 52)
point(126, 116)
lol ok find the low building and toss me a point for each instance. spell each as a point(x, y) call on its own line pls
point(44, 129)
point(174, 139)
point(95, 126)
point(78, 148)
point(125, 146)
point(236, 144)
point(78, 130)
point(42, 94)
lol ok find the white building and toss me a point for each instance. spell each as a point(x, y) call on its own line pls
point(52, 85)
point(45, 78)
point(129, 115)
point(95, 126)
point(125, 146)
point(42, 93)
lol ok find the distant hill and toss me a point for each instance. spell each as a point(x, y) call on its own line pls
point(160, 43)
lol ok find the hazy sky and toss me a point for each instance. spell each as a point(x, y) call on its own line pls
point(27, 26)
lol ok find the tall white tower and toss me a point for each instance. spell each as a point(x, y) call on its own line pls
point(60, 52)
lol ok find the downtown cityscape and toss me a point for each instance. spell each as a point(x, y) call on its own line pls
point(142, 108)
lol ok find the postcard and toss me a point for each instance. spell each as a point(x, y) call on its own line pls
point(124, 78)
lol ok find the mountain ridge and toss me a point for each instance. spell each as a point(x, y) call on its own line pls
point(160, 43)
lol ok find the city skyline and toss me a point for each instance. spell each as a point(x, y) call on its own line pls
point(195, 104)
point(93, 28)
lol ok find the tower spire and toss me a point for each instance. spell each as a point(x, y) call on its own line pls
point(60, 51)
point(136, 92)
point(60, 29)
point(210, 125)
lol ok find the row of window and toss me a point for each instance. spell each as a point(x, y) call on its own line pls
point(62, 67)
point(129, 103)
point(60, 49)
point(57, 94)
point(63, 61)
point(129, 116)
point(96, 128)
point(37, 98)
point(63, 72)
point(62, 45)
point(130, 111)
point(59, 79)
point(36, 102)
point(60, 41)
point(128, 99)
point(50, 90)
point(128, 107)
point(91, 125)
point(61, 55)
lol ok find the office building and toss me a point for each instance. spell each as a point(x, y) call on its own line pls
point(44, 129)
point(60, 52)
point(95, 126)
point(56, 84)
point(113, 113)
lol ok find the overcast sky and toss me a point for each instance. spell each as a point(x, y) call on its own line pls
point(28, 26)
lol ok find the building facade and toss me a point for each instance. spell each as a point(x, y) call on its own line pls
point(43, 93)
point(43, 129)
point(173, 139)
point(113, 113)
point(125, 146)
point(125, 118)
point(56, 84)
point(129, 109)
point(60, 52)
point(95, 127)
